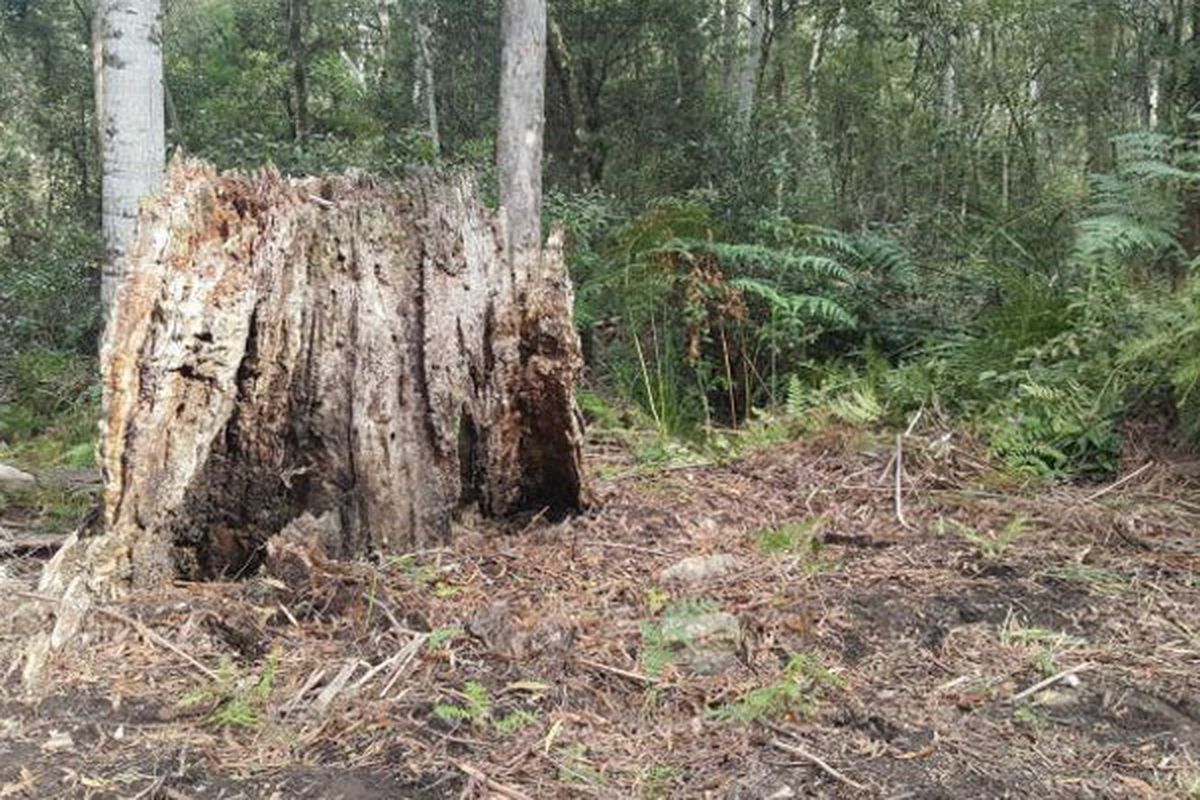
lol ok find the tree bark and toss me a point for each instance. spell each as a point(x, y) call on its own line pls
point(522, 125)
point(132, 127)
point(358, 352)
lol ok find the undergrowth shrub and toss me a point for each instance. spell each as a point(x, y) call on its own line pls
point(702, 323)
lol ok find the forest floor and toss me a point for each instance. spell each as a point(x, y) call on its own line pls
point(977, 639)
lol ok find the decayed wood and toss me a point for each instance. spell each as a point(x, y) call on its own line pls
point(333, 347)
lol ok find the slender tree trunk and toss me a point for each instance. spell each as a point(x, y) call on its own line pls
point(752, 62)
point(427, 94)
point(572, 92)
point(297, 12)
point(731, 13)
point(522, 125)
point(816, 56)
point(778, 30)
point(1190, 57)
point(174, 124)
point(132, 132)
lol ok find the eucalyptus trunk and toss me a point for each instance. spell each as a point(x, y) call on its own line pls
point(753, 58)
point(426, 94)
point(522, 125)
point(132, 128)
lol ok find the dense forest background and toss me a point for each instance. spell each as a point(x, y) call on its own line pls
point(779, 212)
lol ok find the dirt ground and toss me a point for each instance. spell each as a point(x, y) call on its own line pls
point(975, 640)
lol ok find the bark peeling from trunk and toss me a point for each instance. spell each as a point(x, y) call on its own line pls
point(325, 346)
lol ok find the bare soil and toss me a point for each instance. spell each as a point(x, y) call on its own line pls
point(521, 662)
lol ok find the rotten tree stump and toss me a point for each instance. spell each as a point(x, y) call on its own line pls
point(339, 347)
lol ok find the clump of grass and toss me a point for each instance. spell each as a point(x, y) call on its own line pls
point(1189, 784)
point(516, 721)
point(1091, 576)
point(600, 412)
point(796, 694)
point(412, 570)
point(1047, 645)
point(55, 508)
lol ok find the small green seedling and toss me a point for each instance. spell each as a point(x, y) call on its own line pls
point(660, 642)
point(796, 695)
point(657, 599)
point(657, 780)
point(575, 767)
point(1033, 718)
point(990, 546)
point(239, 703)
point(477, 710)
point(797, 538)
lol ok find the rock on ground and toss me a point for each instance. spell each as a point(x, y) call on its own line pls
point(705, 643)
point(698, 569)
point(13, 478)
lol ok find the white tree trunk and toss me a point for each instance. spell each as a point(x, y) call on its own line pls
point(132, 127)
point(425, 84)
point(752, 63)
point(1154, 93)
point(522, 125)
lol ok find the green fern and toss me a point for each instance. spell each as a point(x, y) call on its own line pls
point(797, 309)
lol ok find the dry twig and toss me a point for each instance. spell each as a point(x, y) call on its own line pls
point(495, 786)
point(796, 750)
point(1053, 679)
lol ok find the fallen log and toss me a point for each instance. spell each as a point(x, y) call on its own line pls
point(355, 350)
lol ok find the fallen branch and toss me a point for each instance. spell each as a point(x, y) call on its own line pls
point(633, 676)
point(899, 471)
point(142, 630)
point(403, 659)
point(650, 551)
point(495, 786)
point(796, 750)
point(1053, 679)
point(1118, 484)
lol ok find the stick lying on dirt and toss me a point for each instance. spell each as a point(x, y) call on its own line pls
point(1053, 679)
point(1118, 484)
point(495, 786)
point(624, 673)
point(796, 750)
point(899, 487)
point(142, 630)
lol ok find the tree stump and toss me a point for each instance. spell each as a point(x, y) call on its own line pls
point(334, 346)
